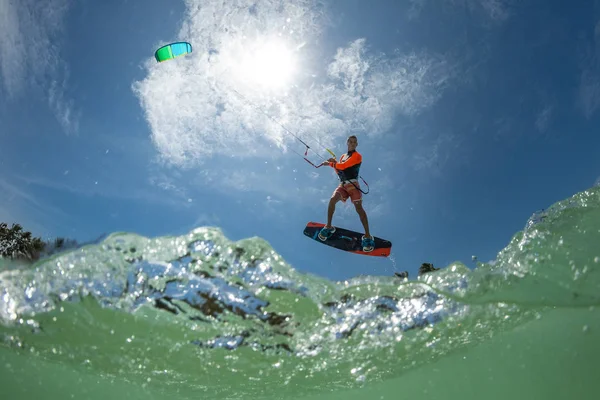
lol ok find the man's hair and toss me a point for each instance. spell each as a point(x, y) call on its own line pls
point(352, 136)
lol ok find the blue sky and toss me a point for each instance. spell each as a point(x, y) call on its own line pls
point(470, 116)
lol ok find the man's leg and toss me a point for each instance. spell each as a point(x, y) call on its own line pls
point(331, 208)
point(363, 217)
point(368, 243)
point(328, 230)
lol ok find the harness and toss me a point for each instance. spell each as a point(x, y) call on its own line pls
point(351, 181)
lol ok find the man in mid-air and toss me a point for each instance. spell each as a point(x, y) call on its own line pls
point(347, 169)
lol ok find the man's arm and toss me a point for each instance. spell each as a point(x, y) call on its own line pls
point(331, 162)
point(354, 159)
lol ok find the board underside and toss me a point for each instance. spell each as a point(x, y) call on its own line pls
point(347, 240)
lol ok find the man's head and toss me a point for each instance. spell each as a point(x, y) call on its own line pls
point(352, 143)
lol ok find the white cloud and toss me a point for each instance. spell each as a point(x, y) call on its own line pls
point(415, 8)
point(168, 183)
point(13, 52)
point(434, 157)
point(30, 33)
point(589, 83)
point(64, 109)
point(19, 206)
point(284, 185)
point(210, 120)
point(589, 90)
point(11, 193)
point(543, 118)
point(495, 10)
point(107, 187)
point(381, 194)
point(504, 128)
point(370, 91)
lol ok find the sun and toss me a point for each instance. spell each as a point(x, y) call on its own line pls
point(267, 63)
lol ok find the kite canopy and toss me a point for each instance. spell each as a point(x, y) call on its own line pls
point(172, 50)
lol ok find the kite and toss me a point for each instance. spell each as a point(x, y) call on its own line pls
point(172, 50)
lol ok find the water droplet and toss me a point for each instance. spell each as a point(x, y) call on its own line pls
point(585, 328)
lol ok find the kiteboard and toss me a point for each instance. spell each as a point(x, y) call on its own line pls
point(347, 240)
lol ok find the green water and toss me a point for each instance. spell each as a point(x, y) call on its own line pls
point(198, 316)
point(553, 357)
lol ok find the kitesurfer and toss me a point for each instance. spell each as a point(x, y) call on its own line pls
point(347, 169)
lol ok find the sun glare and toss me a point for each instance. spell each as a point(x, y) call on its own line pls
point(269, 64)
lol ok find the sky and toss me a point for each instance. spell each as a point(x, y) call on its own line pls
point(470, 116)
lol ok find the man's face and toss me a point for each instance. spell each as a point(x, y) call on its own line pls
point(352, 143)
